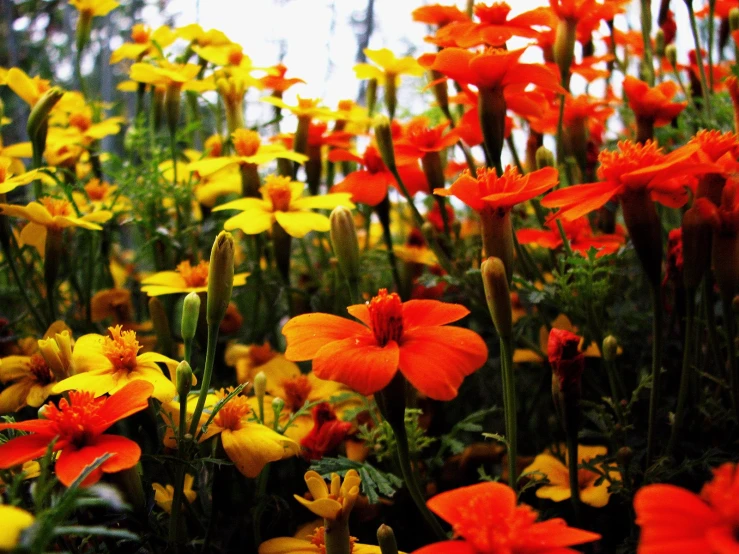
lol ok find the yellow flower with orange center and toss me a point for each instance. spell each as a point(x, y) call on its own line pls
point(30, 89)
point(283, 203)
point(387, 66)
point(51, 214)
point(335, 502)
point(10, 179)
point(164, 495)
point(249, 150)
point(247, 443)
point(168, 74)
point(309, 108)
point(315, 543)
point(94, 8)
point(185, 279)
point(105, 364)
point(145, 42)
point(101, 195)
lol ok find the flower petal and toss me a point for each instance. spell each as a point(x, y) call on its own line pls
point(307, 334)
point(23, 449)
point(427, 313)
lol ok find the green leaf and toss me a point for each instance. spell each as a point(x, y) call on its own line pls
point(375, 483)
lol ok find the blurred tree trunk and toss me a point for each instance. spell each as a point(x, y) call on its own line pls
point(367, 27)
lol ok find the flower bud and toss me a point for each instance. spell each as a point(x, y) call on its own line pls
point(278, 404)
point(345, 243)
point(495, 282)
point(384, 140)
point(260, 384)
point(624, 455)
point(568, 363)
point(184, 380)
point(220, 277)
point(671, 54)
point(190, 315)
point(659, 43)
point(37, 125)
point(610, 348)
point(386, 540)
point(391, 93)
point(734, 19)
point(564, 46)
point(57, 353)
point(544, 157)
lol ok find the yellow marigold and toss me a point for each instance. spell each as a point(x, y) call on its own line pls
point(185, 279)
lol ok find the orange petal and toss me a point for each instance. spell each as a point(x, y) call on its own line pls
point(437, 359)
point(307, 334)
point(132, 398)
point(427, 313)
point(448, 547)
point(72, 462)
point(358, 362)
point(453, 506)
point(23, 449)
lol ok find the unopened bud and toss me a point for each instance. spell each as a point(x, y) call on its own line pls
point(734, 19)
point(184, 380)
point(386, 540)
point(37, 125)
point(564, 46)
point(671, 54)
point(57, 353)
point(544, 157)
point(220, 277)
point(260, 384)
point(345, 243)
point(41, 414)
point(624, 455)
point(190, 315)
point(278, 404)
point(384, 140)
point(495, 282)
point(610, 348)
point(659, 43)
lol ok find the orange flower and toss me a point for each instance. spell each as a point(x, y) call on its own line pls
point(369, 185)
point(277, 81)
point(78, 425)
point(436, 14)
point(500, 193)
point(652, 106)
point(419, 139)
point(408, 336)
point(580, 234)
point(673, 519)
point(632, 168)
point(494, 29)
point(489, 521)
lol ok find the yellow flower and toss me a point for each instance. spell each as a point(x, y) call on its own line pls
point(168, 74)
point(390, 67)
point(30, 89)
point(195, 34)
point(282, 202)
point(314, 544)
point(163, 495)
point(9, 180)
point(100, 195)
point(94, 8)
point(51, 214)
point(309, 108)
point(15, 520)
point(29, 380)
point(336, 502)
point(29, 470)
point(14, 152)
point(185, 279)
point(249, 150)
point(247, 443)
point(144, 43)
point(558, 488)
point(106, 364)
point(213, 186)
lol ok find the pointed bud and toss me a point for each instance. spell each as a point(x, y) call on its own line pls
point(190, 315)
point(184, 380)
point(659, 43)
point(278, 404)
point(564, 46)
point(37, 125)
point(57, 353)
point(610, 348)
point(260, 384)
point(734, 19)
point(220, 277)
point(495, 282)
point(384, 139)
point(345, 243)
point(386, 540)
point(671, 54)
point(544, 157)
point(391, 93)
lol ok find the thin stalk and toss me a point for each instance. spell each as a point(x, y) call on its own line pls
point(21, 285)
point(685, 375)
point(509, 407)
point(701, 69)
point(711, 23)
point(565, 240)
point(646, 30)
point(210, 357)
point(731, 351)
point(713, 341)
point(656, 372)
point(90, 277)
point(572, 470)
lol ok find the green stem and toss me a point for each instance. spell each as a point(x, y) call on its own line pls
point(336, 536)
point(572, 469)
point(210, 357)
point(656, 372)
point(685, 375)
point(713, 341)
point(731, 351)
point(509, 407)
point(699, 60)
point(646, 29)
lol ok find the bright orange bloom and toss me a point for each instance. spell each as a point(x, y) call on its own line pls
point(277, 82)
point(654, 103)
point(408, 336)
point(500, 193)
point(78, 425)
point(580, 234)
point(419, 138)
point(489, 521)
point(369, 185)
point(633, 167)
point(676, 520)
point(495, 28)
point(439, 15)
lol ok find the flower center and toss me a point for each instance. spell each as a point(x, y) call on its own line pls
point(715, 143)
point(97, 189)
point(260, 355)
point(194, 276)
point(307, 103)
point(373, 161)
point(421, 135)
point(140, 33)
point(629, 157)
point(3, 173)
point(318, 539)
point(246, 142)
point(230, 416)
point(121, 348)
point(297, 389)
point(487, 530)
point(489, 182)
point(279, 193)
point(81, 120)
point(75, 419)
point(40, 371)
point(386, 316)
point(235, 55)
point(494, 14)
point(214, 146)
point(56, 206)
point(346, 105)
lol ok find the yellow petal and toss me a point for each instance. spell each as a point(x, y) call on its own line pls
point(324, 507)
point(15, 520)
point(287, 545)
point(253, 446)
point(299, 224)
point(251, 222)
